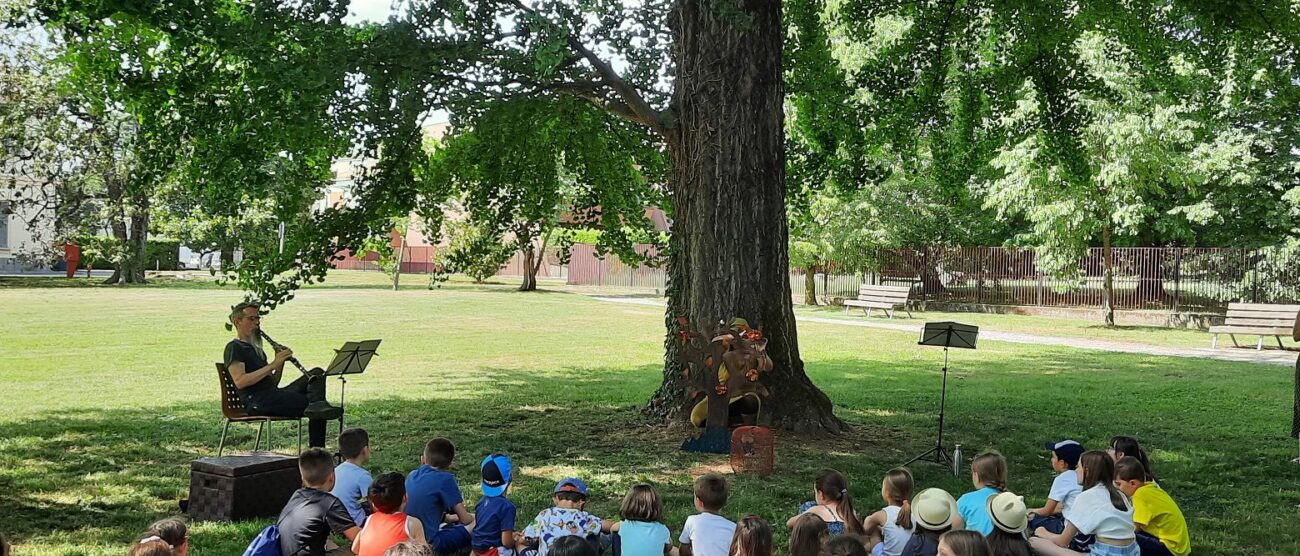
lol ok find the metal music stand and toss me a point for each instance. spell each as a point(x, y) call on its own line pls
point(946, 334)
point(350, 359)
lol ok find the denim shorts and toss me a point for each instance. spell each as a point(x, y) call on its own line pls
point(1103, 549)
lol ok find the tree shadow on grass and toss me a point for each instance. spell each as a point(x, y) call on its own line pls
point(87, 481)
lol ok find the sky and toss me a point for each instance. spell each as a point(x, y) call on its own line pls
point(370, 10)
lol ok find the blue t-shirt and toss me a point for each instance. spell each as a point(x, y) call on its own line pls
point(974, 509)
point(352, 483)
point(492, 515)
point(642, 538)
point(431, 494)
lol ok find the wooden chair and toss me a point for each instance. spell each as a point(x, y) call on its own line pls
point(234, 410)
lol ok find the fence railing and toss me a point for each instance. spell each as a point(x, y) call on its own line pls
point(1156, 278)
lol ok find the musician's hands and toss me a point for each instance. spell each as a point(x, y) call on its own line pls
point(282, 356)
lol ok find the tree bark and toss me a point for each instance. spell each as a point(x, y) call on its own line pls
point(530, 269)
point(810, 286)
point(1108, 279)
point(130, 227)
point(729, 245)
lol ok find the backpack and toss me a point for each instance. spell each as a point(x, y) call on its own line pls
point(266, 543)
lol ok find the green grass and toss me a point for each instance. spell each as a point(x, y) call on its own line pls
point(109, 393)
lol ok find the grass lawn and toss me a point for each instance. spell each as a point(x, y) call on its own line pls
point(109, 393)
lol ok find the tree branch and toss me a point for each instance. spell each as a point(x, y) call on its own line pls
point(634, 106)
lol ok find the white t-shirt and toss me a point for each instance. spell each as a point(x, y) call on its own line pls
point(1093, 514)
point(709, 534)
point(895, 537)
point(1065, 488)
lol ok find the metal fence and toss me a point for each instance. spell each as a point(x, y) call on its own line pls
point(1158, 278)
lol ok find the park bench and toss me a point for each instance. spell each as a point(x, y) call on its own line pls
point(1256, 319)
point(880, 297)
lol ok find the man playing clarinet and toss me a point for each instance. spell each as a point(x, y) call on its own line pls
point(258, 381)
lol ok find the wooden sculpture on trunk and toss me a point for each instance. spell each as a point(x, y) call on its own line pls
point(723, 368)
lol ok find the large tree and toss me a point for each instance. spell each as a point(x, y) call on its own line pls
point(261, 77)
point(948, 91)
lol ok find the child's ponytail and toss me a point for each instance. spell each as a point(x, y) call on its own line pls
point(835, 487)
point(899, 486)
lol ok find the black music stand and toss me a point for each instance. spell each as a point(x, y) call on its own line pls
point(350, 359)
point(946, 334)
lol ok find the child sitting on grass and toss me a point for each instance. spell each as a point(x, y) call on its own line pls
point(1007, 511)
point(1100, 521)
point(312, 513)
point(389, 525)
point(494, 515)
point(351, 480)
point(809, 536)
point(833, 503)
point(432, 494)
point(642, 532)
point(934, 512)
point(172, 531)
point(847, 545)
point(988, 473)
point(889, 529)
point(1161, 527)
point(1065, 487)
point(753, 537)
point(566, 518)
point(707, 533)
point(963, 543)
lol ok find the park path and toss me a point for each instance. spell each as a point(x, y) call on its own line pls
point(1245, 355)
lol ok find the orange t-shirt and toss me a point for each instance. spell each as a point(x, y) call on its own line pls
point(381, 532)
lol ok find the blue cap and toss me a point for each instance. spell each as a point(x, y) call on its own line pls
point(571, 484)
point(496, 474)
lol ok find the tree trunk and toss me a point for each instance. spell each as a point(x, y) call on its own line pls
point(810, 286)
point(729, 242)
point(530, 269)
point(131, 230)
point(397, 269)
point(1108, 279)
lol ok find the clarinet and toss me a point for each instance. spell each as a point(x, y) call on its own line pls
point(277, 346)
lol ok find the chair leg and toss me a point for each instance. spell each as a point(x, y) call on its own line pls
point(1215, 342)
point(1279, 342)
point(1259, 345)
point(868, 310)
point(299, 436)
point(222, 444)
point(269, 446)
point(1234, 340)
point(257, 442)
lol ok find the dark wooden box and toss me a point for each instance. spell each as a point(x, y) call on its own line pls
point(232, 488)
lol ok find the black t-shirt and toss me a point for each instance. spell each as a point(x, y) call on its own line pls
point(252, 358)
point(307, 521)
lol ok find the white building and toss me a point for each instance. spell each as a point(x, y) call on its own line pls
point(16, 237)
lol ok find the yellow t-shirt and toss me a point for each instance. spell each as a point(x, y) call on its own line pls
point(1156, 513)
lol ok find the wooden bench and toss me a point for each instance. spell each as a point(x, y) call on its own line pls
point(1256, 319)
point(880, 297)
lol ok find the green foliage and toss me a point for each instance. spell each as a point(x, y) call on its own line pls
point(474, 251)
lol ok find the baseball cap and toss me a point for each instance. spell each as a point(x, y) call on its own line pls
point(571, 484)
point(496, 471)
point(1067, 451)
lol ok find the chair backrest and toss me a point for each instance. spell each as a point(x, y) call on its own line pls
point(884, 294)
point(232, 406)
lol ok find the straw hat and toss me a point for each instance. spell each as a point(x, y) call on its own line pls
point(933, 509)
point(1008, 512)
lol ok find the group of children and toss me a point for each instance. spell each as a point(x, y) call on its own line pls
point(1101, 502)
